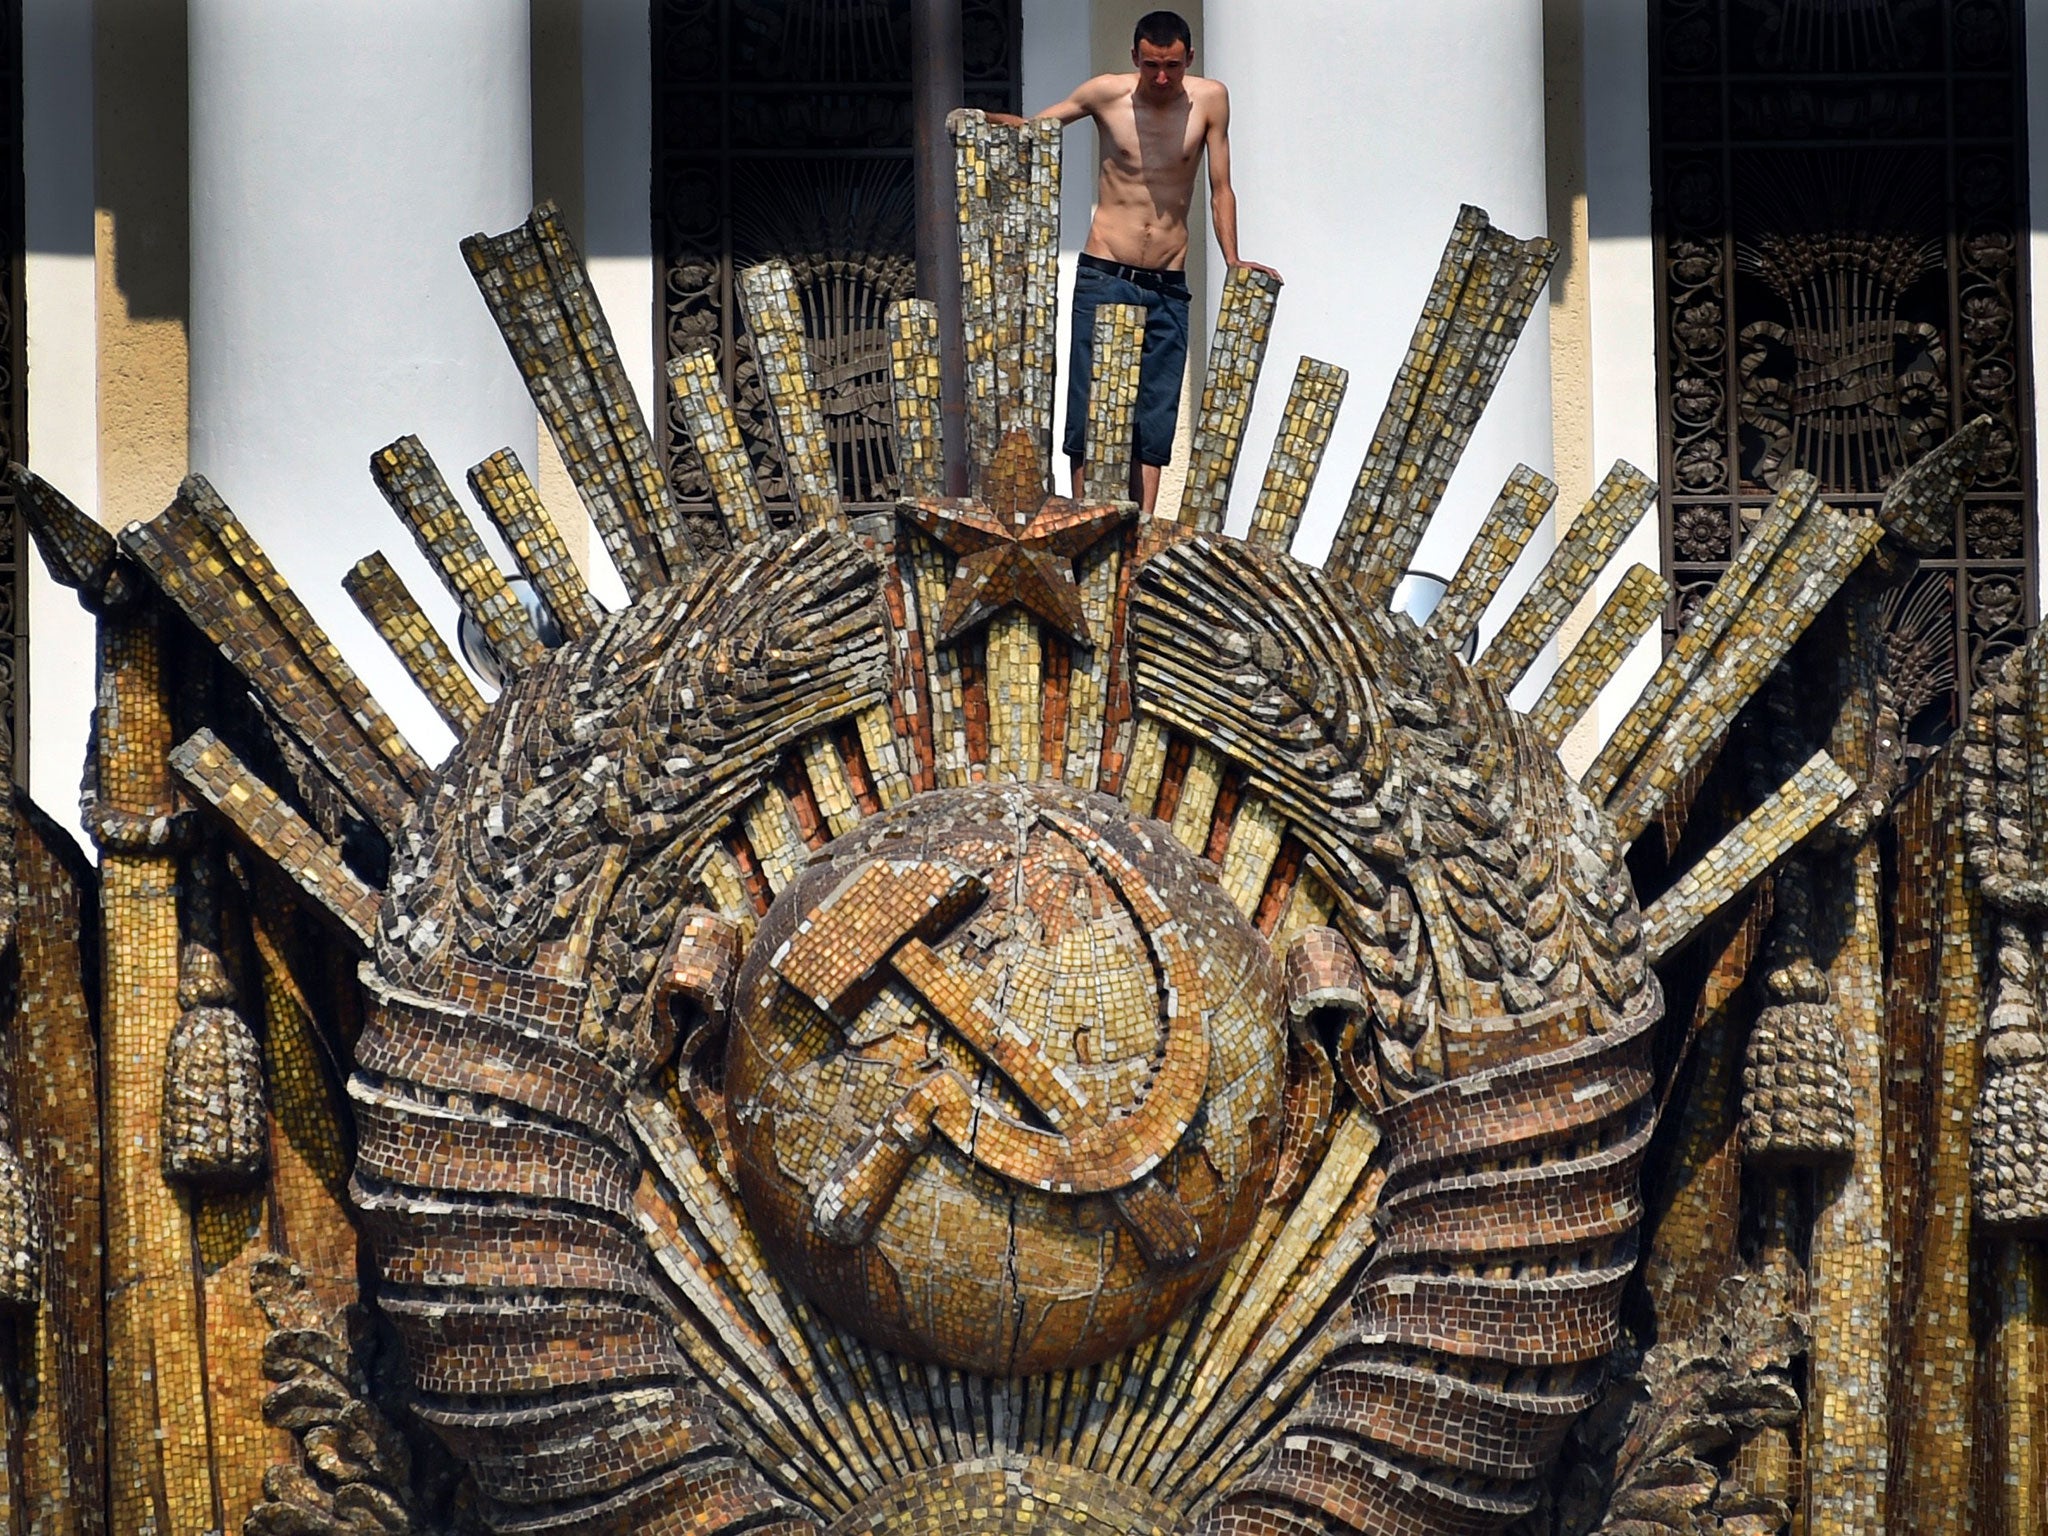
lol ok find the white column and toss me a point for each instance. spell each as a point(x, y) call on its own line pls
point(339, 154)
point(1623, 291)
point(1057, 57)
point(1356, 132)
point(63, 392)
point(618, 143)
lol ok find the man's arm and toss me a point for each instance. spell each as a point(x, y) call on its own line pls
point(1222, 198)
point(1079, 104)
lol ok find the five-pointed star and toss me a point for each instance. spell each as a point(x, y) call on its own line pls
point(1007, 560)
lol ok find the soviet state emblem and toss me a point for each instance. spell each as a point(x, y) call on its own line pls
point(1005, 1078)
point(1026, 1017)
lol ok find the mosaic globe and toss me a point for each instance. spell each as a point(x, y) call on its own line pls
point(1005, 1078)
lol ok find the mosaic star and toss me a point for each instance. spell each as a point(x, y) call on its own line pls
point(1016, 547)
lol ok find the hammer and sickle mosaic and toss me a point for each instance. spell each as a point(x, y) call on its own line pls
point(1090, 1028)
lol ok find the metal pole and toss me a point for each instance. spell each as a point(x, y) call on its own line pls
point(935, 90)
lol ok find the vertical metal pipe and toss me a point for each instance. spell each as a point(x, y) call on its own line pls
point(935, 90)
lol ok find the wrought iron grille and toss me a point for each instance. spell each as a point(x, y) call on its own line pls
point(1839, 209)
point(782, 128)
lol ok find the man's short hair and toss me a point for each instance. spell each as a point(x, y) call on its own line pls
point(1162, 29)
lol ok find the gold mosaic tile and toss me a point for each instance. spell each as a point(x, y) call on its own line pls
point(930, 575)
point(1306, 422)
point(1631, 608)
point(1618, 504)
point(1255, 839)
point(1237, 349)
point(775, 319)
point(51, 1060)
point(1097, 574)
point(208, 565)
point(826, 772)
point(501, 487)
point(1100, 897)
point(381, 594)
point(694, 380)
point(776, 1112)
point(1848, 1408)
point(1199, 787)
point(914, 371)
point(1009, 1492)
point(1148, 767)
point(283, 836)
point(884, 756)
point(157, 1423)
point(1502, 536)
point(1016, 695)
point(1113, 400)
point(1812, 565)
point(1484, 290)
point(445, 535)
point(974, 142)
point(772, 831)
point(1696, 641)
point(1939, 940)
point(538, 291)
point(1764, 837)
point(1209, 1360)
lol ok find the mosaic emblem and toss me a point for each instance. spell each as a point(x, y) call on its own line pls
point(826, 1066)
point(1005, 1078)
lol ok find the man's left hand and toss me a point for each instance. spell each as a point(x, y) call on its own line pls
point(1259, 266)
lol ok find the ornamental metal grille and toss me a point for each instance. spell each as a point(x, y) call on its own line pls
point(782, 128)
point(1839, 198)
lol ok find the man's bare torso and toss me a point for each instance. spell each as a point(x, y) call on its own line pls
point(1149, 158)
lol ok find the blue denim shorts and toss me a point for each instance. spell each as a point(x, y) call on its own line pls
point(1165, 359)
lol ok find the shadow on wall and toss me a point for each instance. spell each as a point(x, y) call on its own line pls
point(140, 159)
point(140, 165)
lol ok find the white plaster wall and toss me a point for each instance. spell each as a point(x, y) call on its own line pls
point(1357, 130)
point(63, 394)
point(1057, 57)
point(1622, 286)
point(339, 153)
point(618, 141)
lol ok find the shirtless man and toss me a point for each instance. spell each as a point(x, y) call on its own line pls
point(1154, 126)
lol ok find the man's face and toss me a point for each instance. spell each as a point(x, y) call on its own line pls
point(1161, 69)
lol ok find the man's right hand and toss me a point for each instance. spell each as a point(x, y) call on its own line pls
point(1004, 119)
